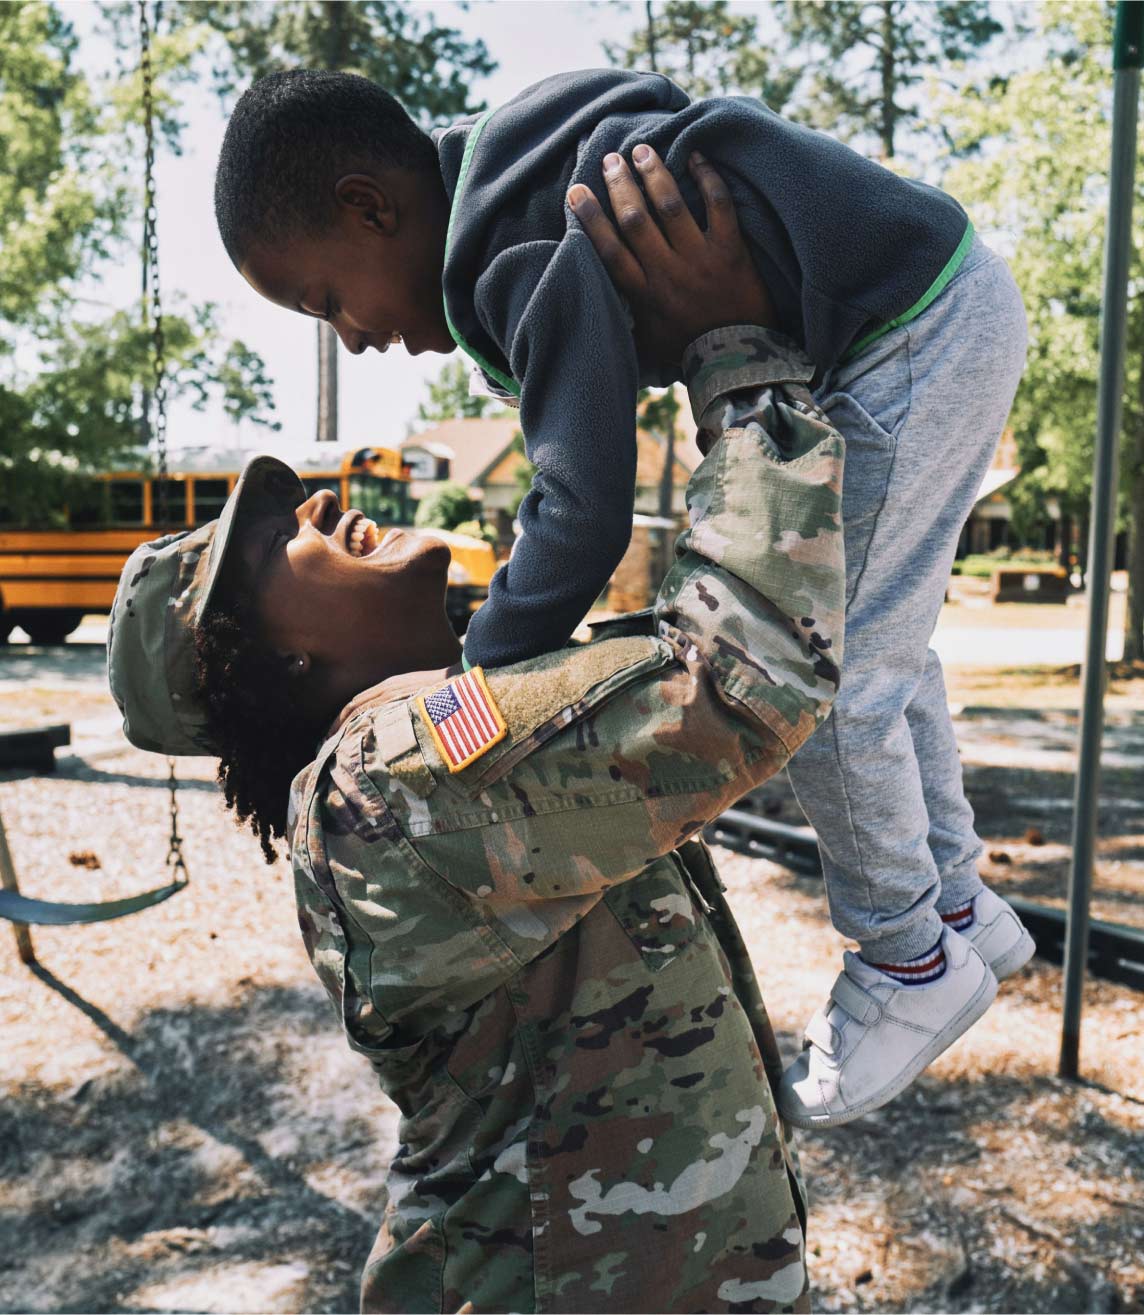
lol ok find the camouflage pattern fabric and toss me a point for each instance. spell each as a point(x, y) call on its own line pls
point(535, 954)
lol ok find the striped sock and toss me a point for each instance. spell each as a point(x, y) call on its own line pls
point(921, 971)
point(959, 919)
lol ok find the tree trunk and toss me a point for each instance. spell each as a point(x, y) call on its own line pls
point(327, 384)
point(327, 428)
point(667, 478)
point(888, 108)
point(650, 37)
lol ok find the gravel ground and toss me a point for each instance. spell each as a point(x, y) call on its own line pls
point(182, 1127)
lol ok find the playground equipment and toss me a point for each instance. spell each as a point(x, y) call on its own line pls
point(1115, 953)
point(1128, 45)
point(17, 908)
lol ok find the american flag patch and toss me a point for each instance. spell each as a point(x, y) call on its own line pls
point(463, 719)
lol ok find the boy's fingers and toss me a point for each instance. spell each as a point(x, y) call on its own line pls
point(722, 222)
point(621, 265)
point(637, 228)
point(671, 210)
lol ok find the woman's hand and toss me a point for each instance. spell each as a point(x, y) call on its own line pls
point(680, 280)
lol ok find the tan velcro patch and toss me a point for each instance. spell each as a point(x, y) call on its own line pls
point(463, 719)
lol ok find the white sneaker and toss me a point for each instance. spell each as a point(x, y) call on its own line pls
point(998, 935)
point(875, 1035)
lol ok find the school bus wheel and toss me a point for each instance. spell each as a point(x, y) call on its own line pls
point(50, 625)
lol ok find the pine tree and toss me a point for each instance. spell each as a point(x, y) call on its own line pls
point(450, 399)
point(706, 49)
point(72, 370)
point(860, 58)
point(428, 67)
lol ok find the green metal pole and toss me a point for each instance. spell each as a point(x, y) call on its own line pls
point(1126, 59)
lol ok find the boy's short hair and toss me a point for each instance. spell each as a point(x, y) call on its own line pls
point(291, 137)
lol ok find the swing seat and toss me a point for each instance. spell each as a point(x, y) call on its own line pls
point(15, 907)
point(35, 748)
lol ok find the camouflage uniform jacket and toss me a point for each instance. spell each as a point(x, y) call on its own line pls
point(535, 954)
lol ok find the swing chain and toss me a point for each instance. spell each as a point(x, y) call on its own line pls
point(175, 860)
point(152, 298)
point(155, 399)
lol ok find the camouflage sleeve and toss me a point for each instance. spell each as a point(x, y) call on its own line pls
point(660, 736)
point(758, 583)
point(741, 359)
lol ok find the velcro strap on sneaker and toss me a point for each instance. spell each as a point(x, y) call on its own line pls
point(820, 1033)
point(858, 1003)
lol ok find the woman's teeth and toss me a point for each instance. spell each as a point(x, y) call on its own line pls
point(364, 537)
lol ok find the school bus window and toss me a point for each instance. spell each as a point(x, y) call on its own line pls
point(210, 497)
point(317, 485)
point(126, 502)
point(176, 502)
point(382, 500)
point(89, 505)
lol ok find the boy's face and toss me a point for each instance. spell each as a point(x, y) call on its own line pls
point(375, 273)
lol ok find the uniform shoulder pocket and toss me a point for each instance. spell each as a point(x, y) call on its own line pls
point(390, 747)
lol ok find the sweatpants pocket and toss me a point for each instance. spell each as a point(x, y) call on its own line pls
point(869, 460)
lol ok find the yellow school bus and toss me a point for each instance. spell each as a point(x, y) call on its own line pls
point(51, 577)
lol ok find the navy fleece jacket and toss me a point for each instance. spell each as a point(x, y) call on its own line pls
point(846, 248)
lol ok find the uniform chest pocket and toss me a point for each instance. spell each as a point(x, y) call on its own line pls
point(658, 910)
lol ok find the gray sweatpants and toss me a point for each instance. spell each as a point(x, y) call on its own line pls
point(921, 411)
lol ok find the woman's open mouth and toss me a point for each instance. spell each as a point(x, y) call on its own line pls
point(364, 537)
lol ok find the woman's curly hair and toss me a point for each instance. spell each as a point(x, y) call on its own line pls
point(254, 717)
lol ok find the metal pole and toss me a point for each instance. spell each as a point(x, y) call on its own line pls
point(327, 384)
point(1117, 252)
point(8, 881)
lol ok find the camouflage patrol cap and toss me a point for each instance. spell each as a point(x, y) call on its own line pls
point(164, 591)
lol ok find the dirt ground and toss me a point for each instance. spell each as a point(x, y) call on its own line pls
point(183, 1129)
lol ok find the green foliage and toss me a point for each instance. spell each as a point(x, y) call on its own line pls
point(658, 410)
point(72, 381)
point(1035, 164)
point(60, 208)
point(449, 397)
point(860, 58)
point(707, 50)
point(1035, 157)
point(524, 473)
point(80, 411)
point(477, 530)
point(846, 66)
point(448, 506)
point(982, 565)
point(429, 68)
point(247, 390)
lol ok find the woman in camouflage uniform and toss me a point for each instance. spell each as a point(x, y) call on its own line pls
point(498, 875)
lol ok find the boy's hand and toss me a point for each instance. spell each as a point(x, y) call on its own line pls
point(679, 280)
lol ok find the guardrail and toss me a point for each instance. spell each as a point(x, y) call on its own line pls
point(1115, 952)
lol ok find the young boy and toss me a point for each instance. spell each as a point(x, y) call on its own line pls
point(332, 202)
